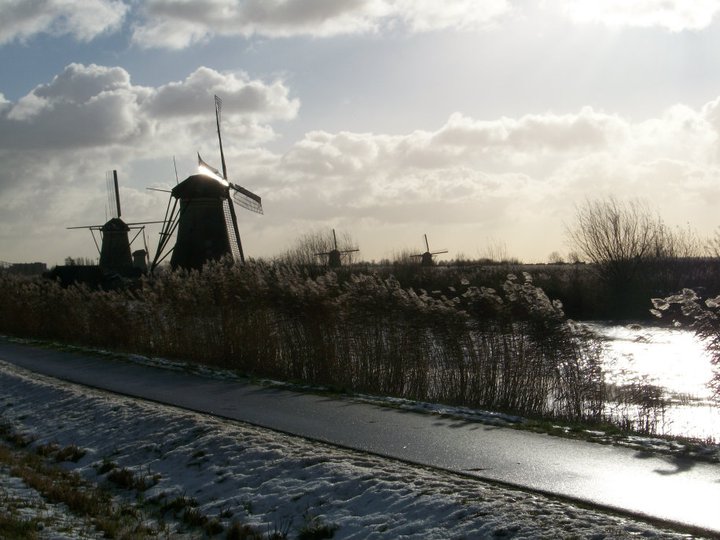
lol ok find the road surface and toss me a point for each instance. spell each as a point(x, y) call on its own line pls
point(670, 489)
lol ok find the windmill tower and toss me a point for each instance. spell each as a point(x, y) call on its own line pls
point(426, 258)
point(334, 256)
point(202, 213)
point(115, 243)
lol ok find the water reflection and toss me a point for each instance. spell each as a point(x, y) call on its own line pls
point(673, 359)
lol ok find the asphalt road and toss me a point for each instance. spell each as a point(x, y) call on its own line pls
point(671, 489)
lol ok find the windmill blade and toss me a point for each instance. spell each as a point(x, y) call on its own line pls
point(438, 252)
point(232, 232)
point(246, 199)
point(86, 227)
point(113, 193)
point(137, 223)
point(218, 112)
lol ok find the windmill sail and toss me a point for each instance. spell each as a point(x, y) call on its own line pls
point(218, 113)
point(233, 239)
point(113, 193)
point(247, 199)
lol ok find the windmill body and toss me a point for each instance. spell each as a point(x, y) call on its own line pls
point(203, 231)
point(115, 248)
point(334, 259)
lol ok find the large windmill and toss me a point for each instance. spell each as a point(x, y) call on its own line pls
point(114, 248)
point(202, 213)
point(426, 258)
point(334, 256)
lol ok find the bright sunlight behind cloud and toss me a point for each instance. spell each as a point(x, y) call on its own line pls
point(386, 119)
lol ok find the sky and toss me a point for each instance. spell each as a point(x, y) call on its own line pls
point(484, 125)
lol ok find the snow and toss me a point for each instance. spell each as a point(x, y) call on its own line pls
point(276, 482)
point(56, 522)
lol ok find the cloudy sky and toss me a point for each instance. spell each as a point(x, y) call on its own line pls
point(482, 124)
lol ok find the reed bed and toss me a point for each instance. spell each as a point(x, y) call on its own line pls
point(510, 349)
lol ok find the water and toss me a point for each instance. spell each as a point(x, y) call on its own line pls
point(673, 359)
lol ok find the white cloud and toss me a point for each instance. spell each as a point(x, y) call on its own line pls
point(96, 106)
point(82, 19)
point(177, 24)
point(508, 177)
point(672, 15)
point(505, 177)
point(240, 95)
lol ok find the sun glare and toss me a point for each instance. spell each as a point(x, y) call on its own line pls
point(202, 169)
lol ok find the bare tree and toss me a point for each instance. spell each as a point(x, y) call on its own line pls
point(677, 243)
point(712, 245)
point(495, 250)
point(555, 258)
point(618, 237)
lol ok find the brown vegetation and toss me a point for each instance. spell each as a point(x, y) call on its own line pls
point(509, 348)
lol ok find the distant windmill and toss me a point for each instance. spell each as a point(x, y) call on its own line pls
point(426, 259)
point(335, 255)
point(205, 218)
point(115, 244)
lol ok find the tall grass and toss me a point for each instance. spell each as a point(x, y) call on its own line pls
point(508, 348)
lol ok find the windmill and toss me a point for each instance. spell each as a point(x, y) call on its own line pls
point(202, 213)
point(115, 244)
point(335, 255)
point(426, 259)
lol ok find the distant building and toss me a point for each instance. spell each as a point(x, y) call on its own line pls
point(27, 269)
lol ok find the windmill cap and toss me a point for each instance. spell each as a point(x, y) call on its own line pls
point(115, 224)
point(200, 186)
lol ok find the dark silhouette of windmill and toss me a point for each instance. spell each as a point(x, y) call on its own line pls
point(202, 213)
point(334, 256)
point(115, 243)
point(426, 259)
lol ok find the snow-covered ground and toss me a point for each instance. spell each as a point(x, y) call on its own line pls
point(277, 482)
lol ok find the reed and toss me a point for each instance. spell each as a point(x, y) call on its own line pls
point(508, 348)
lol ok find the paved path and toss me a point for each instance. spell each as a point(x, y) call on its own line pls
point(671, 489)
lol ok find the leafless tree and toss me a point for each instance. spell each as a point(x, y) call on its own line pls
point(555, 258)
point(618, 237)
point(677, 243)
point(712, 245)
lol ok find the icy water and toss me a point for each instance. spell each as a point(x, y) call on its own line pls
point(672, 359)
